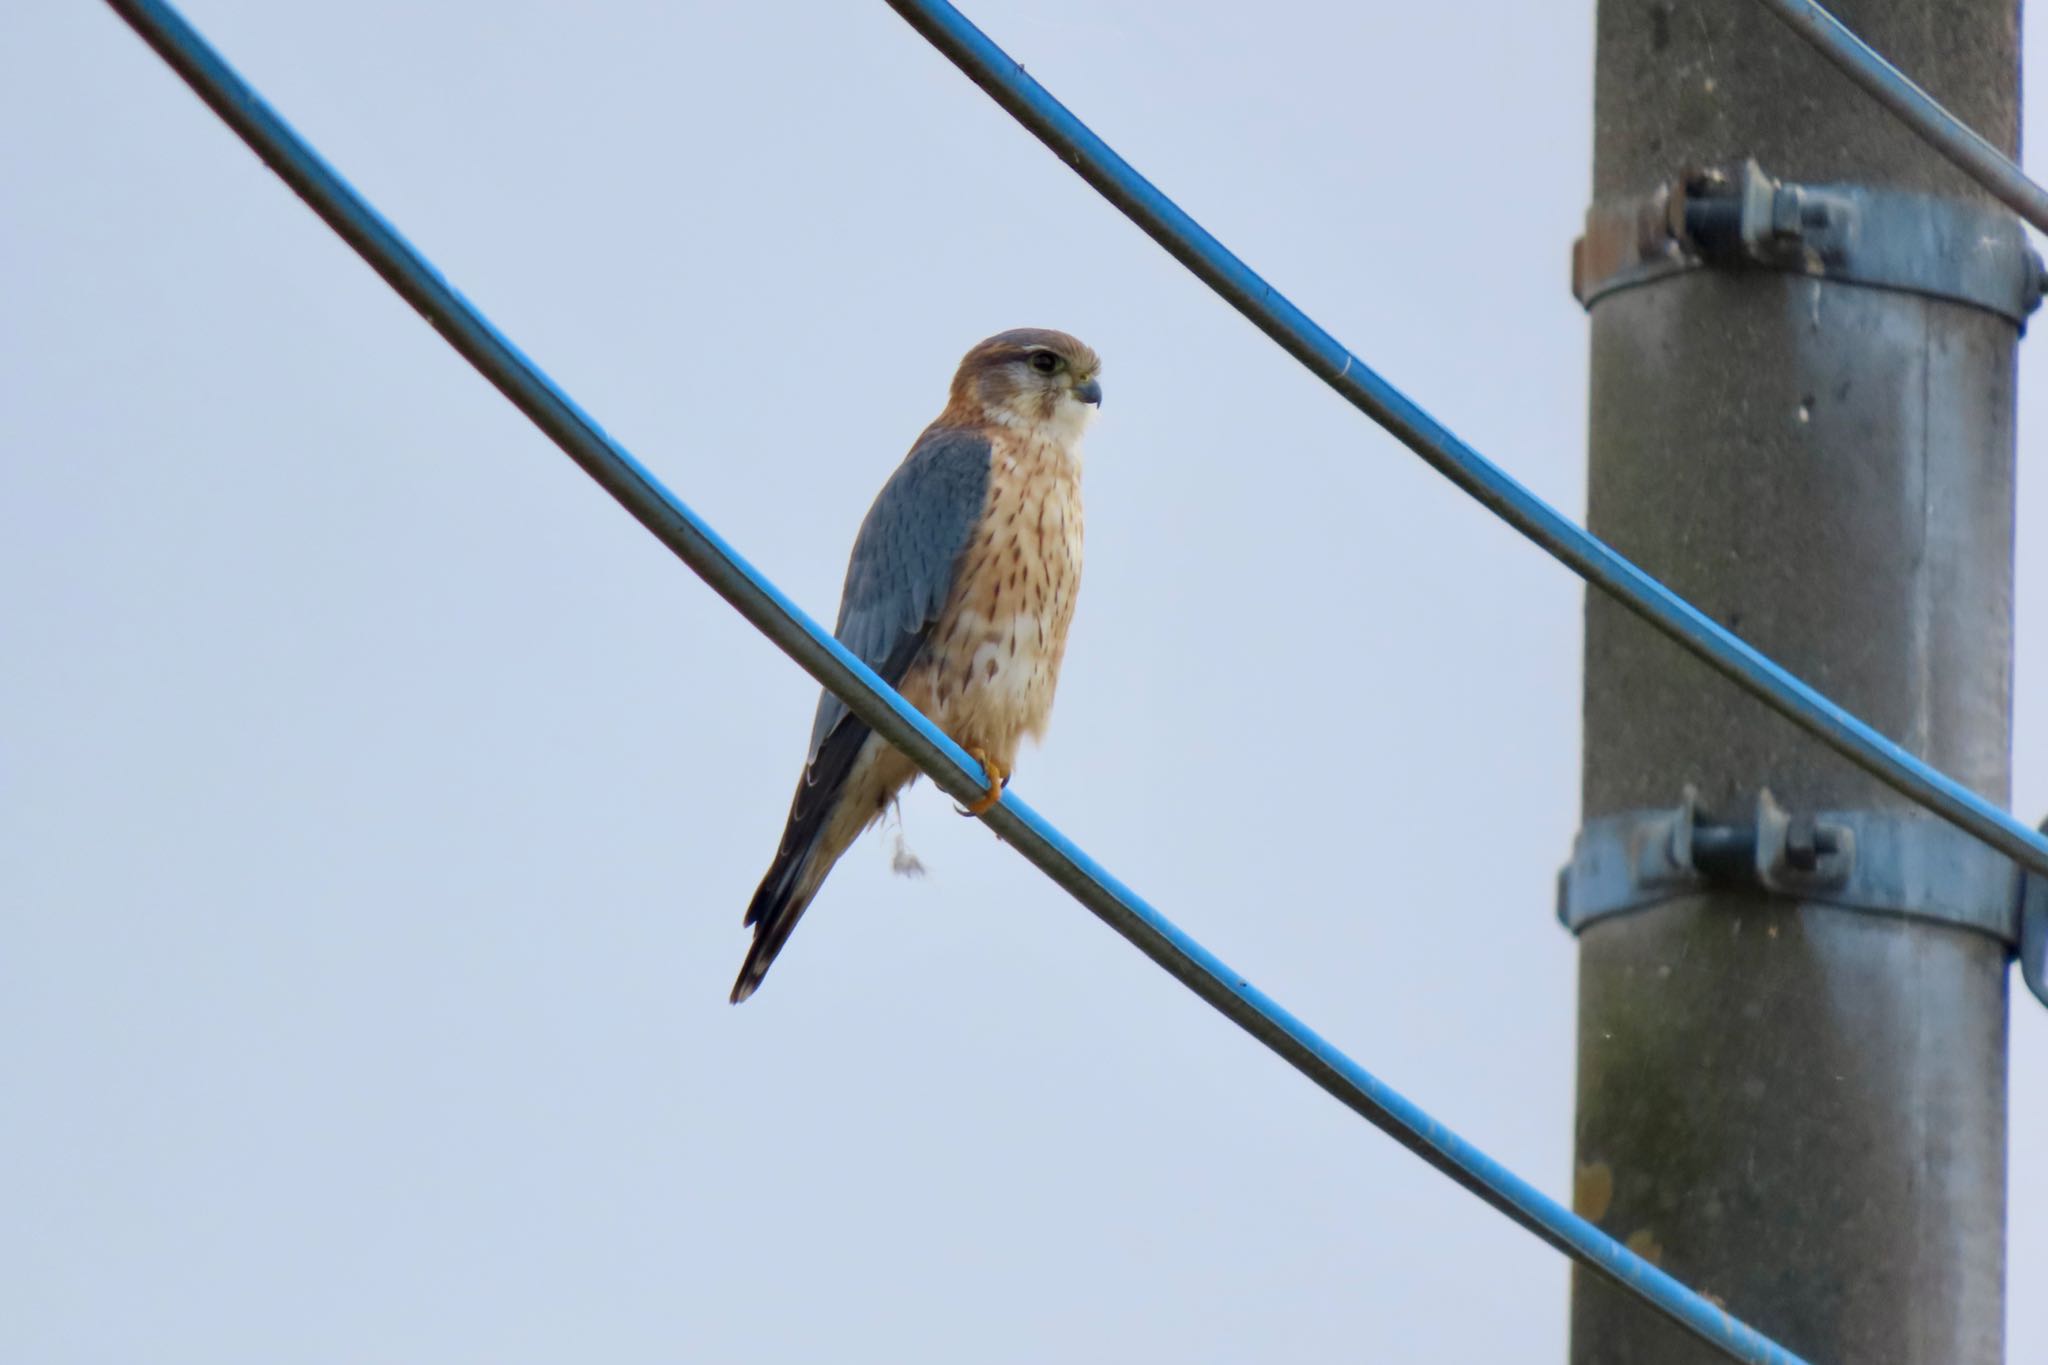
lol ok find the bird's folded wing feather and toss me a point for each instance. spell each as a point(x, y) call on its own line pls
point(904, 563)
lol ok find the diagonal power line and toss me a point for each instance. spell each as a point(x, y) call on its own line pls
point(697, 545)
point(1971, 152)
point(1585, 554)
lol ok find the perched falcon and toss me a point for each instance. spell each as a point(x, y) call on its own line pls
point(959, 594)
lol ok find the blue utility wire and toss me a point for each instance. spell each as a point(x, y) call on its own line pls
point(698, 546)
point(1071, 140)
point(1917, 109)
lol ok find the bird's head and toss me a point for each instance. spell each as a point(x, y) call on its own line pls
point(1030, 379)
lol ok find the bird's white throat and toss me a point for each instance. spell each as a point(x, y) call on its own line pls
point(1062, 429)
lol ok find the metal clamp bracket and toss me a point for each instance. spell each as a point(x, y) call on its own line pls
point(2033, 944)
point(1882, 862)
point(1885, 239)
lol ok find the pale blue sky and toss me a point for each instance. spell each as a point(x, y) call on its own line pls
point(378, 803)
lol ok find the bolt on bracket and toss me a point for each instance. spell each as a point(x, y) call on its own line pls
point(1901, 863)
point(1740, 217)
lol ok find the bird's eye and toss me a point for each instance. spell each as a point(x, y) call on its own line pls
point(1045, 362)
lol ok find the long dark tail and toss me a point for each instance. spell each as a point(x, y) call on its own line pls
point(795, 875)
point(777, 906)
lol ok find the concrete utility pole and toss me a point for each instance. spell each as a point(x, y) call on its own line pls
point(1797, 1108)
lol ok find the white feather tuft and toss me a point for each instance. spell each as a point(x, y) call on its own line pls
point(902, 861)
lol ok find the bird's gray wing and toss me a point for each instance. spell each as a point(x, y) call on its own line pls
point(902, 570)
point(903, 565)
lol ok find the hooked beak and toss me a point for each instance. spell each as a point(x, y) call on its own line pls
point(1089, 392)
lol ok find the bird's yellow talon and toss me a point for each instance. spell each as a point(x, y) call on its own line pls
point(997, 780)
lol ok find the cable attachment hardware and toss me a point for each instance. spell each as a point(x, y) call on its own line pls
point(1739, 217)
point(2033, 945)
point(1902, 863)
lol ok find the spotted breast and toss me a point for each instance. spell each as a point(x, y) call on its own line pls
point(988, 673)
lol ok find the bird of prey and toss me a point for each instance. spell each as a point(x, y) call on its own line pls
point(959, 594)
